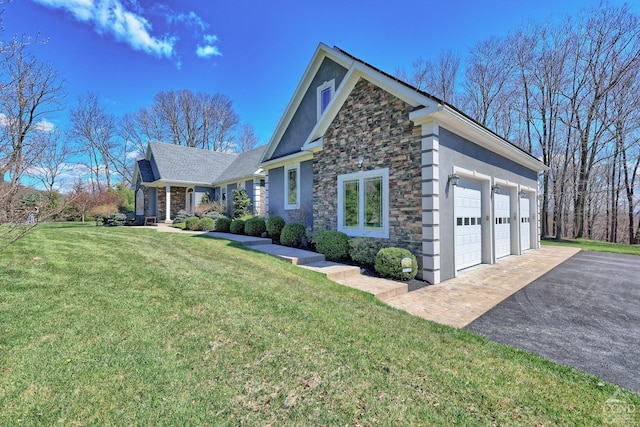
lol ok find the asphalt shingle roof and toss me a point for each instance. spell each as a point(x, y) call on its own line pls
point(187, 164)
point(245, 165)
point(146, 172)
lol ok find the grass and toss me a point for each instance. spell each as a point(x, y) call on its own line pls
point(122, 326)
point(594, 245)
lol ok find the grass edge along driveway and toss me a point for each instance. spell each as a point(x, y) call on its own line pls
point(116, 326)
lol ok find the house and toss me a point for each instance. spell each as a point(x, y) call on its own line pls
point(172, 178)
point(362, 152)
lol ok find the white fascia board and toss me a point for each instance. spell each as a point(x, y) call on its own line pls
point(467, 128)
point(313, 146)
point(173, 183)
point(300, 156)
point(355, 73)
point(322, 51)
point(257, 174)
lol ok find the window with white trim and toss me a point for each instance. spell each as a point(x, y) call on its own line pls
point(292, 186)
point(324, 95)
point(363, 203)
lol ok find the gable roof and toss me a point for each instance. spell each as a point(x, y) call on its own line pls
point(245, 165)
point(176, 163)
point(426, 107)
point(145, 170)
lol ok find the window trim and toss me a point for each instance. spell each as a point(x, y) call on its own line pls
point(287, 168)
point(361, 231)
point(331, 84)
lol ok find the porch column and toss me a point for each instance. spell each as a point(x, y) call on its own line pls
point(256, 196)
point(167, 203)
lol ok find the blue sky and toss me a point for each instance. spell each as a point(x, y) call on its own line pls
point(252, 51)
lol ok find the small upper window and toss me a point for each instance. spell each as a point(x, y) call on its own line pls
point(325, 93)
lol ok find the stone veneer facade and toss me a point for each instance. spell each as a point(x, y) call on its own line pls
point(373, 124)
point(178, 201)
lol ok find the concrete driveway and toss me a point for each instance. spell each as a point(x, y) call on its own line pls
point(585, 313)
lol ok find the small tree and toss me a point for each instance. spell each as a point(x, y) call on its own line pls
point(241, 203)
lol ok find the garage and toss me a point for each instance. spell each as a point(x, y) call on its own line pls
point(468, 228)
point(502, 220)
point(525, 227)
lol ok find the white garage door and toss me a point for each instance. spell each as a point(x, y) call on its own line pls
point(525, 227)
point(468, 227)
point(502, 221)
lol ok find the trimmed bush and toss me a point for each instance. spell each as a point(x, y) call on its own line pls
point(223, 225)
point(388, 263)
point(181, 217)
point(292, 234)
point(237, 226)
point(255, 227)
point(206, 224)
point(213, 215)
point(334, 245)
point(115, 220)
point(275, 224)
point(363, 250)
point(191, 222)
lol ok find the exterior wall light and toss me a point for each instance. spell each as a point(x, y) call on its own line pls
point(522, 193)
point(453, 179)
point(360, 162)
point(496, 189)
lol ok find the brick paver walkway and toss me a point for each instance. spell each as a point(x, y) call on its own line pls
point(459, 301)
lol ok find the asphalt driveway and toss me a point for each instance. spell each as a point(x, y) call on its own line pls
point(585, 313)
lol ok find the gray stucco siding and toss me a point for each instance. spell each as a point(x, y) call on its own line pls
point(306, 116)
point(199, 192)
point(455, 150)
point(304, 214)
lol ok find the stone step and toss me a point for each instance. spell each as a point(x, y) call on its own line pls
point(245, 240)
point(333, 270)
point(293, 255)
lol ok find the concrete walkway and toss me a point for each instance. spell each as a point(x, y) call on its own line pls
point(454, 302)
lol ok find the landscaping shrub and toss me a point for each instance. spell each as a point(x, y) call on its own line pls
point(237, 226)
point(191, 222)
point(181, 216)
point(334, 245)
point(292, 234)
point(241, 203)
point(275, 224)
point(388, 263)
point(115, 220)
point(206, 224)
point(223, 225)
point(363, 250)
point(213, 215)
point(255, 227)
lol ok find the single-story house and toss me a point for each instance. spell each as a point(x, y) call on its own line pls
point(171, 178)
point(362, 152)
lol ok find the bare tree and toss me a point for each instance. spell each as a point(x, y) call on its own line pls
point(247, 139)
point(53, 161)
point(95, 130)
point(439, 78)
point(199, 120)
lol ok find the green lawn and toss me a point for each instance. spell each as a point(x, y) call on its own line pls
point(593, 245)
point(123, 326)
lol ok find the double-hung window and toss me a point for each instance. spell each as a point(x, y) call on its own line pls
point(292, 186)
point(363, 203)
point(324, 95)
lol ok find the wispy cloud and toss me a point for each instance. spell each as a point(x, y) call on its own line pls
point(209, 49)
point(110, 16)
point(45, 126)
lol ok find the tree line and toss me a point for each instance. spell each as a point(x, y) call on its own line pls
point(568, 92)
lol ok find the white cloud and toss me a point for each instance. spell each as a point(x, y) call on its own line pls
point(110, 16)
point(208, 50)
point(45, 126)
